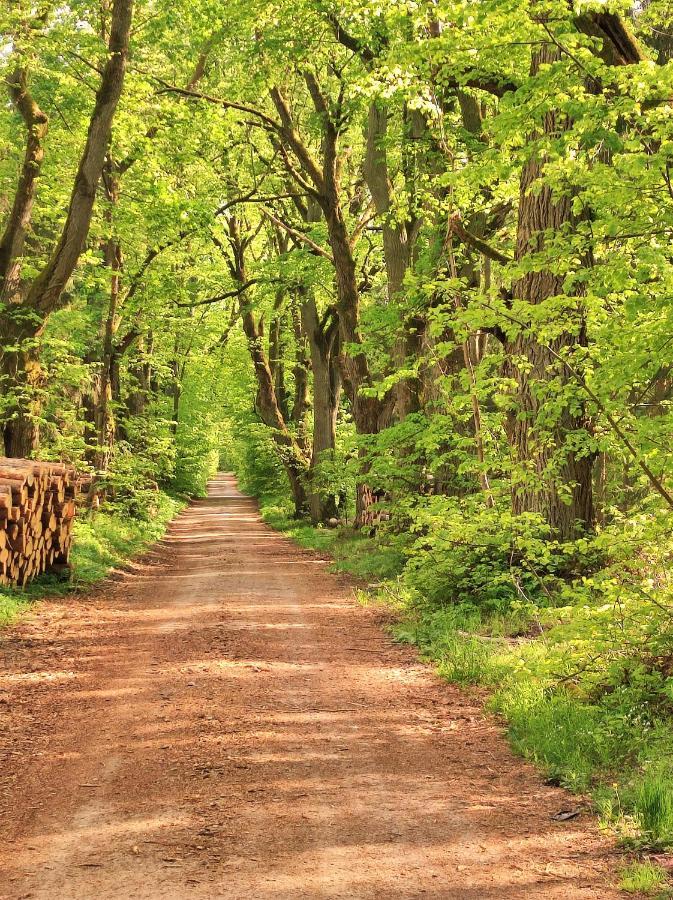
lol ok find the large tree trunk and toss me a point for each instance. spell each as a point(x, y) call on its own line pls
point(370, 413)
point(21, 371)
point(547, 413)
point(104, 418)
point(554, 480)
point(46, 291)
point(398, 245)
point(13, 238)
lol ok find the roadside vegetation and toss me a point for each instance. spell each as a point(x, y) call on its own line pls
point(565, 668)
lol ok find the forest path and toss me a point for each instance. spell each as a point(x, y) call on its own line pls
point(224, 721)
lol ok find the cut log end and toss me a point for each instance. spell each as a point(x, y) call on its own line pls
point(37, 510)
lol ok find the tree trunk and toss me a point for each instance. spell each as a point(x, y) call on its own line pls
point(548, 412)
point(104, 418)
point(369, 412)
point(32, 304)
point(398, 245)
point(20, 430)
point(139, 372)
point(323, 341)
point(13, 238)
point(176, 388)
point(276, 359)
point(300, 372)
point(46, 291)
point(266, 404)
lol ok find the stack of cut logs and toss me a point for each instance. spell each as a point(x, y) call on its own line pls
point(37, 507)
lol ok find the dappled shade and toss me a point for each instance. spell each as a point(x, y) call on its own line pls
point(225, 721)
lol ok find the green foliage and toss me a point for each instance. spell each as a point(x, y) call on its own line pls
point(654, 809)
point(12, 604)
point(646, 878)
point(109, 538)
point(252, 455)
point(520, 361)
point(572, 684)
point(468, 553)
point(353, 552)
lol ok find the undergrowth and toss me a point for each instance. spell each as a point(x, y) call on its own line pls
point(103, 539)
point(353, 552)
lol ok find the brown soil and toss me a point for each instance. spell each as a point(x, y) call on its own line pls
point(225, 721)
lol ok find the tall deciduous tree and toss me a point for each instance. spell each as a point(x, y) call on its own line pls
point(27, 303)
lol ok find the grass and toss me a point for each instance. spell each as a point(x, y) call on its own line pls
point(654, 808)
point(353, 553)
point(645, 878)
point(103, 540)
point(614, 746)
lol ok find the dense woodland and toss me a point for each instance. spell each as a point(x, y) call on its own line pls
point(406, 266)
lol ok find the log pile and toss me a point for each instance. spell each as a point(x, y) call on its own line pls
point(37, 508)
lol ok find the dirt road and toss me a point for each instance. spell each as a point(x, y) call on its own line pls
point(224, 721)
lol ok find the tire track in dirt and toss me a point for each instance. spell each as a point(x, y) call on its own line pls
point(208, 726)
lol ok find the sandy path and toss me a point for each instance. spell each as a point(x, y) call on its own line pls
point(209, 725)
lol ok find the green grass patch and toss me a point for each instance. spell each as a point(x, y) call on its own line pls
point(103, 540)
point(645, 878)
point(352, 551)
point(616, 744)
point(106, 539)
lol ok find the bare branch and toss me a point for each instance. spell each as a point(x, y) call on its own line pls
point(293, 139)
point(347, 40)
point(218, 101)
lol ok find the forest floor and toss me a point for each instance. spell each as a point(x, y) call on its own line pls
point(223, 720)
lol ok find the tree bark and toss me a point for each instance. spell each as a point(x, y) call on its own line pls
point(300, 372)
point(370, 413)
point(46, 291)
point(551, 478)
point(24, 318)
point(104, 418)
point(323, 345)
point(398, 246)
point(14, 235)
point(21, 378)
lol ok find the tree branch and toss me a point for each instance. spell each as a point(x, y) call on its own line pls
point(235, 292)
point(47, 290)
point(218, 101)
point(300, 236)
point(292, 138)
point(455, 227)
point(347, 40)
point(13, 238)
